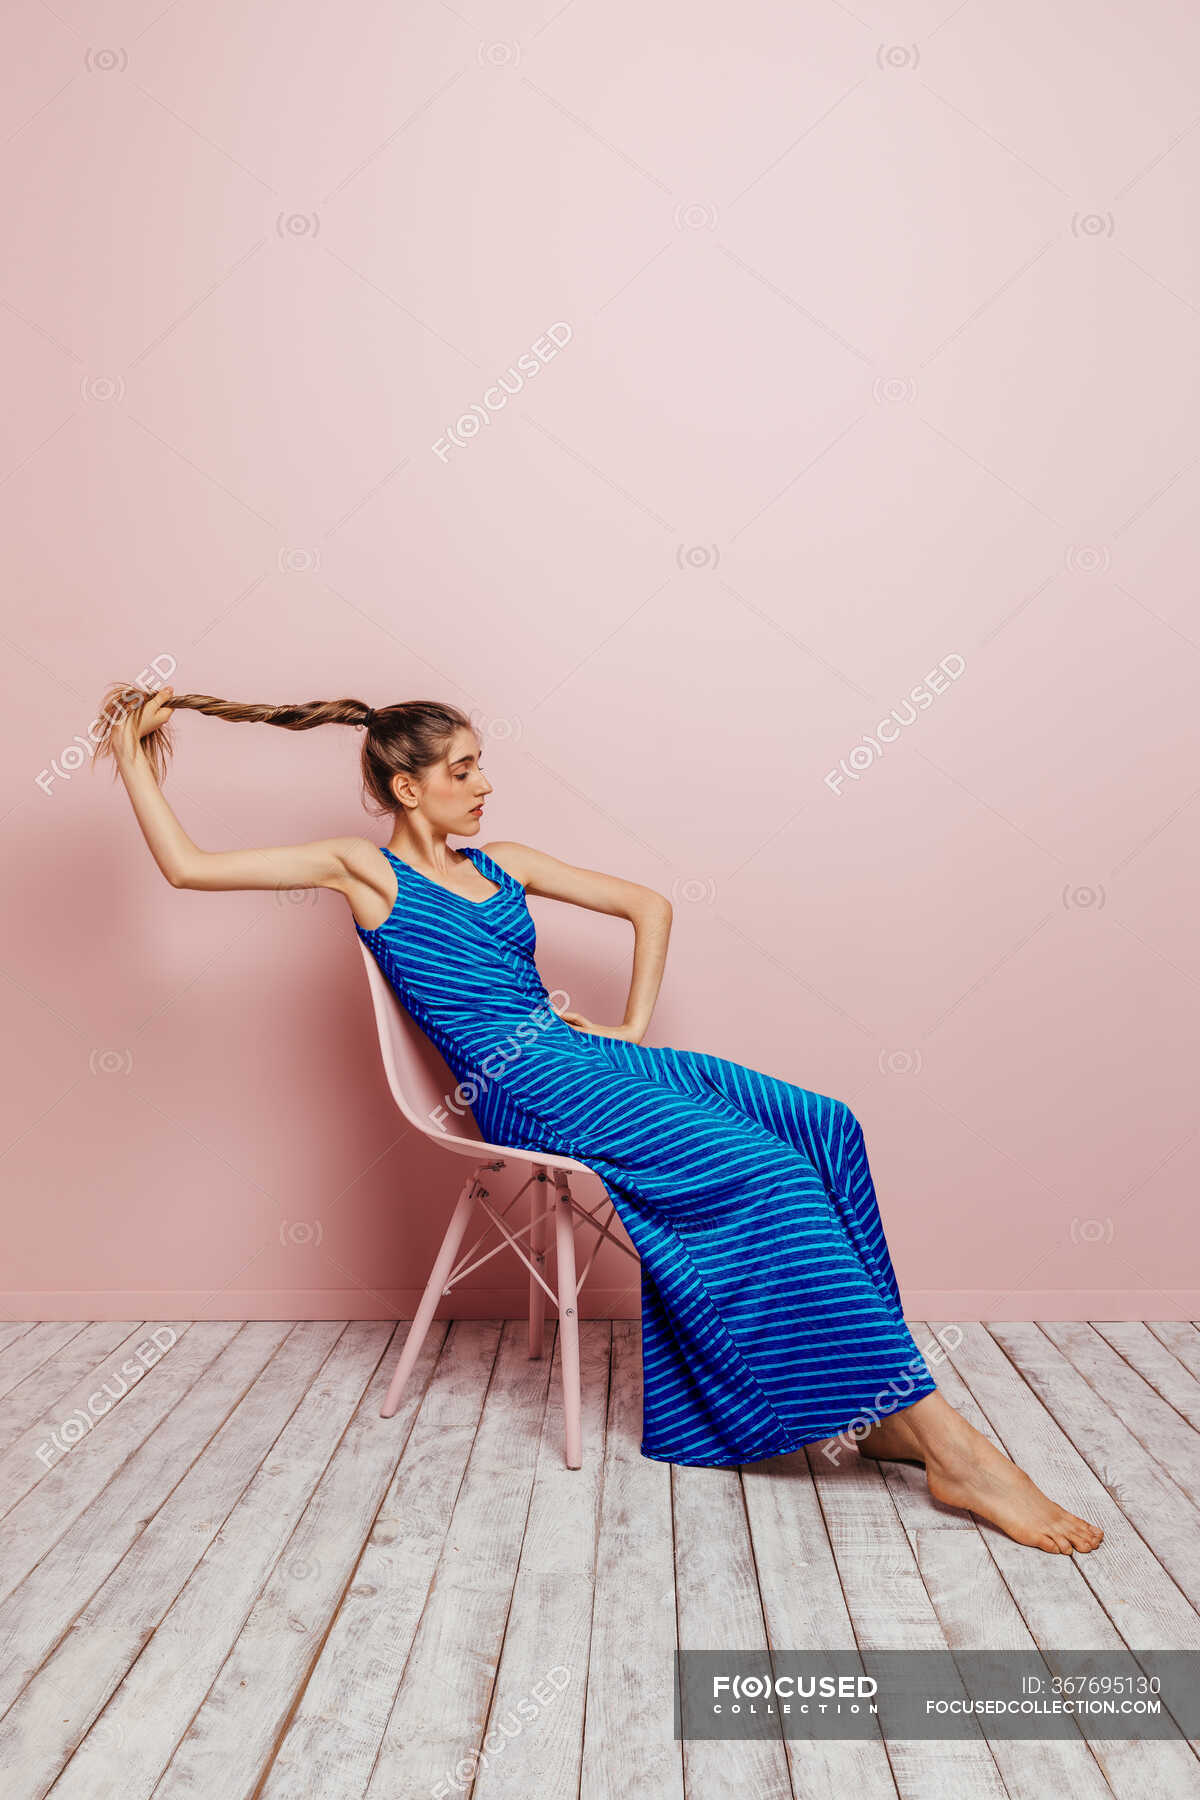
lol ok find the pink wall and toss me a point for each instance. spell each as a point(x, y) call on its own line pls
point(878, 368)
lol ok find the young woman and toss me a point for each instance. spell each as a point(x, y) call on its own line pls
point(770, 1311)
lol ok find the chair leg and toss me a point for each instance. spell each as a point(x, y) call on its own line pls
point(537, 1252)
point(568, 1321)
point(455, 1232)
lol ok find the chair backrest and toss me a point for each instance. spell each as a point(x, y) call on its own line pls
point(423, 1086)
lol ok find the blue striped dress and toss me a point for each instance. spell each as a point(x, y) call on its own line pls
point(771, 1316)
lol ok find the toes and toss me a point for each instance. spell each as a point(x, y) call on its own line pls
point(1083, 1534)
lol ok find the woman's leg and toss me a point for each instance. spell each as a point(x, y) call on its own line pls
point(963, 1467)
point(741, 1241)
point(826, 1131)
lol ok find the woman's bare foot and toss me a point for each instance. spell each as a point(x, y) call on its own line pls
point(892, 1439)
point(964, 1468)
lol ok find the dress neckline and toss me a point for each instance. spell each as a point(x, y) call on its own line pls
point(468, 850)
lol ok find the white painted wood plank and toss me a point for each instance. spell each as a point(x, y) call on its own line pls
point(1146, 1353)
point(629, 1747)
point(805, 1608)
point(439, 1711)
point(10, 1331)
point(52, 1507)
point(36, 1346)
point(331, 1743)
point(891, 1610)
point(1056, 1603)
point(64, 1697)
point(1146, 1494)
point(1181, 1339)
point(278, 1565)
point(234, 1734)
point(976, 1611)
point(719, 1608)
point(533, 1735)
point(1148, 1609)
point(87, 1411)
point(41, 1391)
point(45, 1603)
point(1122, 1391)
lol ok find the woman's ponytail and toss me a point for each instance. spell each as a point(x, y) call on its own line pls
point(402, 739)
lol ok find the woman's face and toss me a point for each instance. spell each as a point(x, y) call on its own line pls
point(452, 791)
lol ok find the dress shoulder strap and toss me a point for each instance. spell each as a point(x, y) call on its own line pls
point(490, 867)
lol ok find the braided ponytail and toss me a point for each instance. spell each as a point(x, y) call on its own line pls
point(403, 739)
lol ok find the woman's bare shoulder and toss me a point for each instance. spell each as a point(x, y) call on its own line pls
point(369, 885)
point(359, 854)
point(540, 873)
point(516, 859)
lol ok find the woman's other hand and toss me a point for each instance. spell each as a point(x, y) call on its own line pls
point(629, 1033)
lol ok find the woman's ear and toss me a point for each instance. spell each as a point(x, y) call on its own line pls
point(403, 792)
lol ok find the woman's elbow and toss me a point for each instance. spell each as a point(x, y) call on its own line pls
point(654, 905)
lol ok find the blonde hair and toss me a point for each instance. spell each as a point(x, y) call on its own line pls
point(405, 739)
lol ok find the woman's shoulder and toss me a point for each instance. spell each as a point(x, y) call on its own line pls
point(370, 890)
point(360, 855)
point(515, 859)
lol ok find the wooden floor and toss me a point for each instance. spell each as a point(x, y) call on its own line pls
point(230, 1577)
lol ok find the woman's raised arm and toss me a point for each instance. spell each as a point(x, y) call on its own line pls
point(320, 864)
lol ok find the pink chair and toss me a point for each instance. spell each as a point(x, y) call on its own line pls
point(422, 1087)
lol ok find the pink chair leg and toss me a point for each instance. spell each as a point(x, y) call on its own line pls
point(537, 1253)
point(568, 1321)
point(455, 1232)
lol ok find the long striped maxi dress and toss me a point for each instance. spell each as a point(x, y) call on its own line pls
point(771, 1316)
